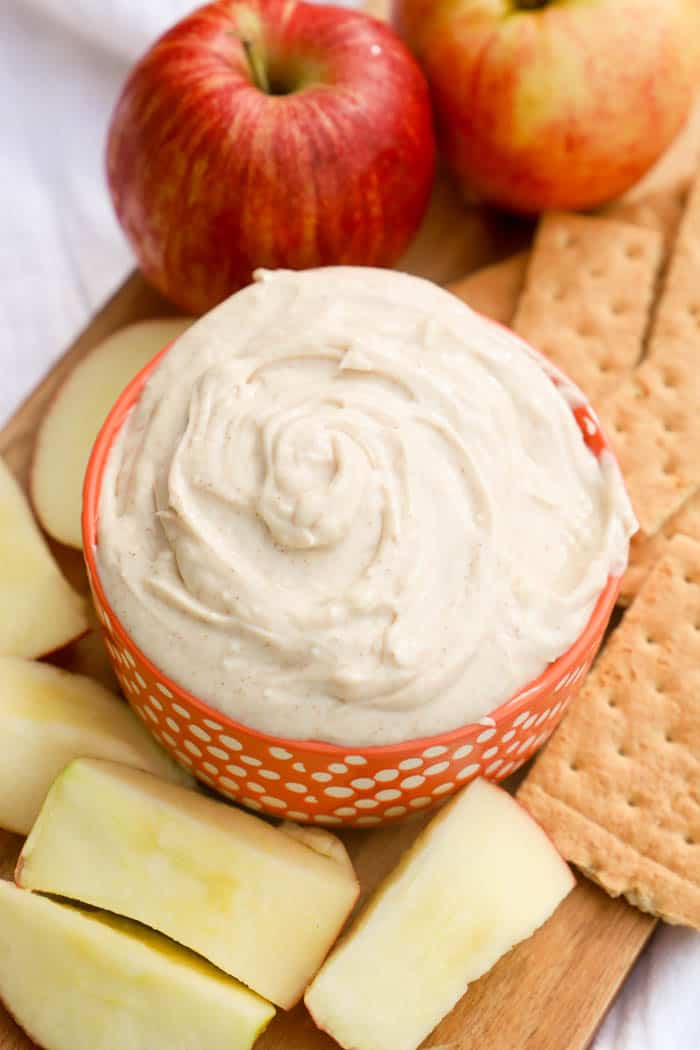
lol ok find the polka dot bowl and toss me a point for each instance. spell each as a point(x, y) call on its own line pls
point(311, 781)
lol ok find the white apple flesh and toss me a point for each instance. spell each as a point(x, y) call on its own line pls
point(260, 904)
point(48, 717)
point(481, 877)
point(74, 417)
point(85, 981)
point(39, 611)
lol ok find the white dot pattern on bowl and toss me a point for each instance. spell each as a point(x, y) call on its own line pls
point(200, 733)
point(437, 768)
point(411, 763)
point(257, 774)
point(276, 803)
point(281, 753)
point(463, 751)
point(434, 752)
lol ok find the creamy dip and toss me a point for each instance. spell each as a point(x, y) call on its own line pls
point(348, 508)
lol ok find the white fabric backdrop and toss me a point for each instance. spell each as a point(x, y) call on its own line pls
point(61, 253)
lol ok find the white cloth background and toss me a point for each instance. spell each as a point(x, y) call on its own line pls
point(61, 253)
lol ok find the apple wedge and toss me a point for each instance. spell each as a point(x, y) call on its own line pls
point(481, 877)
point(39, 611)
point(74, 417)
point(85, 981)
point(255, 901)
point(48, 717)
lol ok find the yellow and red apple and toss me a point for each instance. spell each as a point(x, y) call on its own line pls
point(269, 133)
point(554, 103)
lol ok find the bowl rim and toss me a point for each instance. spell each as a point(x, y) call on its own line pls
point(510, 708)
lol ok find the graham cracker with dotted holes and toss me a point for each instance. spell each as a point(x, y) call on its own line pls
point(645, 551)
point(618, 786)
point(661, 211)
point(653, 418)
point(588, 294)
point(495, 290)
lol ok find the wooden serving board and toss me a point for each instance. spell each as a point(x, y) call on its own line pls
point(551, 991)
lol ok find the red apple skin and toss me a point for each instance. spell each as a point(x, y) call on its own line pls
point(212, 177)
point(563, 106)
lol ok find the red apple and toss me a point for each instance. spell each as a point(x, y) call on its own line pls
point(554, 103)
point(270, 133)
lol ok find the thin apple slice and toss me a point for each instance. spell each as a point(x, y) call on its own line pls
point(39, 611)
point(48, 717)
point(258, 903)
point(74, 417)
point(85, 981)
point(481, 877)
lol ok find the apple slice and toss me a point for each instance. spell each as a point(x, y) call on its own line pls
point(39, 611)
point(481, 877)
point(258, 903)
point(81, 981)
point(74, 417)
point(48, 717)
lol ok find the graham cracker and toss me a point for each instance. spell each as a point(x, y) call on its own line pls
point(618, 786)
point(494, 291)
point(645, 551)
point(653, 418)
point(661, 211)
point(588, 295)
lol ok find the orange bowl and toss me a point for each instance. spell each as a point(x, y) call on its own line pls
point(314, 782)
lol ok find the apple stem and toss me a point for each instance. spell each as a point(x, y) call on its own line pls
point(256, 65)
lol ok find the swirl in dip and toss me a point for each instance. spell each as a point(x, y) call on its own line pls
point(347, 508)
